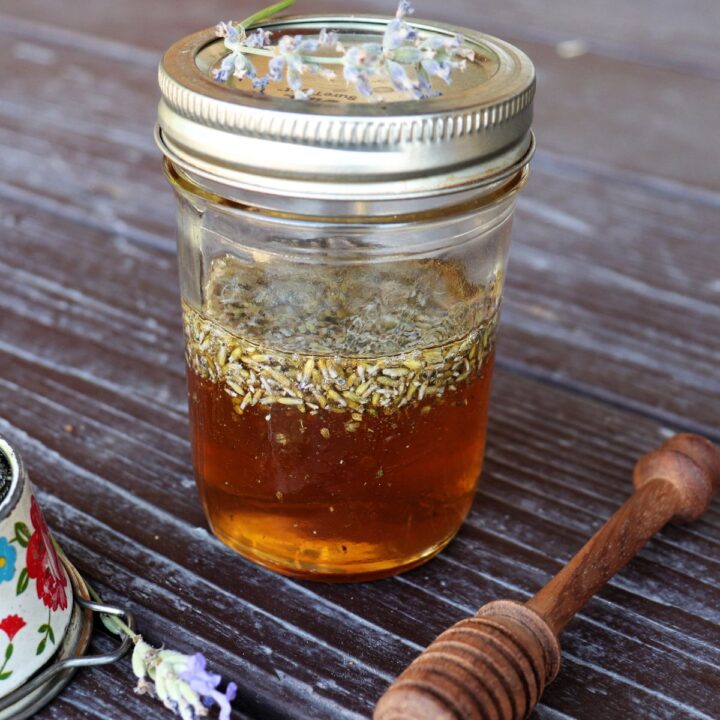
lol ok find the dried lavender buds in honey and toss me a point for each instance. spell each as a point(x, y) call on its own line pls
point(338, 339)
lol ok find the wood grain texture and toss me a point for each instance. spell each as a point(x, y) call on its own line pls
point(608, 339)
point(635, 115)
point(608, 274)
point(118, 488)
point(684, 40)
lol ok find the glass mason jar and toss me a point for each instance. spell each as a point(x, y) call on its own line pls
point(341, 266)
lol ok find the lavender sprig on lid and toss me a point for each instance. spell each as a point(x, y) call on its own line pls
point(406, 58)
point(292, 57)
point(236, 64)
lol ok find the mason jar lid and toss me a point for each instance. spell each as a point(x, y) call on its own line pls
point(340, 144)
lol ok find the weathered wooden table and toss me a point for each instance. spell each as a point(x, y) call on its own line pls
point(609, 343)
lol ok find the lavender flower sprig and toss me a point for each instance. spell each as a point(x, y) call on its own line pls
point(405, 58)
point(180, 682)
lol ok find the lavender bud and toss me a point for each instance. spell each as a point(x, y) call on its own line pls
point(140, 657)
point(404, 8)
point(222, 28)
point(328, 39)
point(260, 84)
point(257, 39)
point(276, 67)
point(399, 77)
point(226, 67)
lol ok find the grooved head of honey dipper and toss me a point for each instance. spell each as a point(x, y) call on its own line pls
point(692, 475)
point(701, 450)
point(493, 666)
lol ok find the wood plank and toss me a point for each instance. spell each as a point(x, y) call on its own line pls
point(595, 107)
point(660, 33)
point(588, 299)
point(87, 259)
point(611, 290)
point(117, 488)
point(683, 37)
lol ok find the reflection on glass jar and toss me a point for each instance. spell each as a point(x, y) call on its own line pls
point(339, 350)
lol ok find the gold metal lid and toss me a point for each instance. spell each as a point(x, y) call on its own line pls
point(339, 145)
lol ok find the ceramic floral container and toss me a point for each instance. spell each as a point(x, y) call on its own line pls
point(35, 593)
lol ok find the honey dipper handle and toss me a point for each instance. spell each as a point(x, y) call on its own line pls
point(677, 481)
point(612, 547)
point(495, 665)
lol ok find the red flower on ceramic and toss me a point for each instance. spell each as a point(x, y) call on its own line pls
point(12, 625)
point(43, 564)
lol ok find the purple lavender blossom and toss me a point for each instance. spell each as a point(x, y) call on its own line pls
point(205, 685)
point(404, 8)
point(260, 83)
point(328, 39)
point(228, 30)
point(406, 58)
point(442, 56)
point(292, 59)
point(181, 682)
point(361, 63)
point(259, 38)
point(222, 73)
point(398, 76)
point(398, 32)
point(236, 63)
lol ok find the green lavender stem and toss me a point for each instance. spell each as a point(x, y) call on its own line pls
point(266, 13)
point(269, 12)
point(314, 59)
point(112, 622)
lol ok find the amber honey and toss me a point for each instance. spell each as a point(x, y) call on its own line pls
point(342, 465)
point(302, 495)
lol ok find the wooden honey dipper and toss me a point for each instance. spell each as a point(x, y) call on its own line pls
point(496, 664)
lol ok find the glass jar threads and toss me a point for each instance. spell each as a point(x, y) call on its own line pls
point(341, 265)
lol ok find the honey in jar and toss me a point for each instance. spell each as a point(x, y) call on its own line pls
point(347, 465)
point(341, 289)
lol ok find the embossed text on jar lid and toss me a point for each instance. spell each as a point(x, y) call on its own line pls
point(339, 144)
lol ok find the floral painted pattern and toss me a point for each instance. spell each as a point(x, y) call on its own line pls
point(43, 564)
point(11, 625)
point(8, 555)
